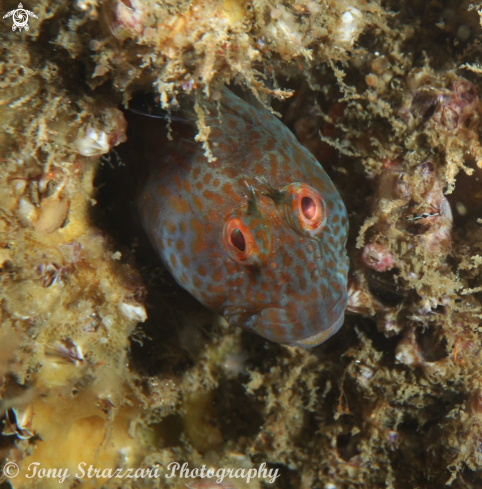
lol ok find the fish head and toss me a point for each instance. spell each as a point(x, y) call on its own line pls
point(284, 280)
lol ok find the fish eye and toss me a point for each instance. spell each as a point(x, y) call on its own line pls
point(306, 210)
point(237, 240)
point(247, 239)
point(308, 207)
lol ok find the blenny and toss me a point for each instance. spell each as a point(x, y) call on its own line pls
point(257, 235)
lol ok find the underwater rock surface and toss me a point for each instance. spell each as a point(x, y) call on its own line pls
point(104, 360)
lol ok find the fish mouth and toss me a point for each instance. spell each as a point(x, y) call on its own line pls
point(268, 320)
point(321, 336)
point(279, 324)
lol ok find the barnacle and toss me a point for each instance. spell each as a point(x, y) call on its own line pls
point(19, 423)
point(95, 139)
point(350, 26)
point(376, 256)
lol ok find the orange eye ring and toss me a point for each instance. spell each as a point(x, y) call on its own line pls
point(247, 238)
point(238, 240)
point(306, 210)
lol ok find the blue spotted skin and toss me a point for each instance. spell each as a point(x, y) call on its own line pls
point(258, 235)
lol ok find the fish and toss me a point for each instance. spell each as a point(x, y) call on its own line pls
point(257, 232)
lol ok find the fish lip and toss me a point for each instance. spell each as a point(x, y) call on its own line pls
point(320, 337)
point(250, 308)
point(250, 314)
point(246, 313)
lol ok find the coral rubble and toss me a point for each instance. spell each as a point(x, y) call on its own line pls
point(104, 360)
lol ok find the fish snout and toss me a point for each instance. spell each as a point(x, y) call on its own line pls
point(305, 327)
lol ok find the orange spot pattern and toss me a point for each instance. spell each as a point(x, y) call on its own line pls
point(295, 292)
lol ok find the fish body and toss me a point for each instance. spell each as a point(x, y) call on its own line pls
point(257, 235)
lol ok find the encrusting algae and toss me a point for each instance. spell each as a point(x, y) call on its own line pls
point(105, 361)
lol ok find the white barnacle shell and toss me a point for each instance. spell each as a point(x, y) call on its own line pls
point(27, 212)
point(350, 27)
point(365, 373)
point(134, 312)
point(19, 422)
point(284, 31)
point(92, 143)
point(53, 211)
point(65, 351)
point(408, 353)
